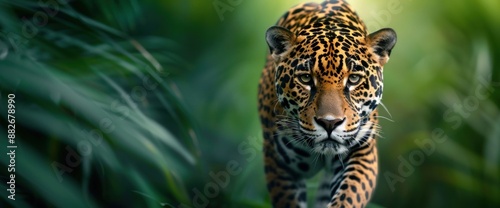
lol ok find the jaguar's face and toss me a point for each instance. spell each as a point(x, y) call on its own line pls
point(329, 87)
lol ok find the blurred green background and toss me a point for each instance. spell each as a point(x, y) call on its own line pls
point(154, 103)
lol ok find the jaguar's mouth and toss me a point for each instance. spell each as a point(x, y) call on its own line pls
point(329, 142)
point(329, 147)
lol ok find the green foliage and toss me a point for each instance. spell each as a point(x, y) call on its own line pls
point(144, 103)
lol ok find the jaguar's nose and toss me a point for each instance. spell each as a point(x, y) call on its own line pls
point(329, 124)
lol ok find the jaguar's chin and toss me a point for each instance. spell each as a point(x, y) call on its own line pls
point(329, 147)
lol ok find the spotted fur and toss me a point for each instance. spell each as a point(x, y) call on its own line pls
point(317, 103)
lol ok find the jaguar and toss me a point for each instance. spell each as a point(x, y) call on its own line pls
point(317, 100)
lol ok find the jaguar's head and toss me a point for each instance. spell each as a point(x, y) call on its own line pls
point(329, 83)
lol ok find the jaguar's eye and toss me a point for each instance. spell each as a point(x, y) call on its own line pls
point(305, 78)
point(354, 79)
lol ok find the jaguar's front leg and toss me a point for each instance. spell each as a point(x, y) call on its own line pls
point(354, 188)
point(285, 189)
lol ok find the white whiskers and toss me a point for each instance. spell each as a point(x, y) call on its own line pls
point(382, 104)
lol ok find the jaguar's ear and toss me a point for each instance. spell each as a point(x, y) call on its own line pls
point(382, 42)
point(280, 40)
